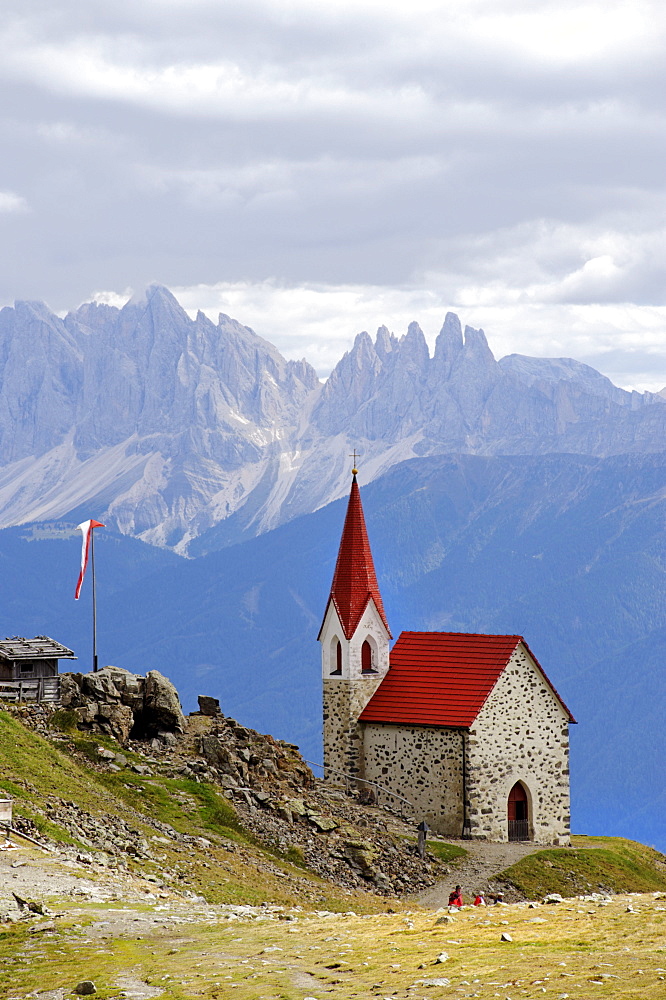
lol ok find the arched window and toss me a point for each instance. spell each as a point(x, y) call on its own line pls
point(338, 657)
point(366, 658)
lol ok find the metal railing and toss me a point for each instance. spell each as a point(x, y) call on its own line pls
point(519, 829)
point(352, 778)
point(35, 689)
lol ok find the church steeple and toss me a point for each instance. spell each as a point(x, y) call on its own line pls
point(354, 639)
point(355, 581)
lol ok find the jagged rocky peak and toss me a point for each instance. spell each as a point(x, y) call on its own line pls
point(156, 371)
point(91, 319)
point(476, 360)
point(413, 347)
point(385, 342)
point(449, 345)
point(475, 341)
point(361, 360)
point(259, 354)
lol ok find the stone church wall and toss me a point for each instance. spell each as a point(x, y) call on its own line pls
point(423, 765)
point(521, 734)
point(344, 700)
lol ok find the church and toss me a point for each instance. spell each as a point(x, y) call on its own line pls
point(466, 727)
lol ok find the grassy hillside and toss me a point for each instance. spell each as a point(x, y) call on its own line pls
point(228, 866)
point(593, 864)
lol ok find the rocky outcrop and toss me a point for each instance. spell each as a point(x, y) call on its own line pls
point(122, 704)
point(283, 804)
point(274, 794)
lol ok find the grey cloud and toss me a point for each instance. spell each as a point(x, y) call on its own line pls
point(426, 149)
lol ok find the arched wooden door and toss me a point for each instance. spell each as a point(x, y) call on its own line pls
point(518, 813)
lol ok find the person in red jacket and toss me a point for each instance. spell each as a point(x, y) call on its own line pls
point(455, 898)
point(480, 899)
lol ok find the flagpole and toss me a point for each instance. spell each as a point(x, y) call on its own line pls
point(94, 602)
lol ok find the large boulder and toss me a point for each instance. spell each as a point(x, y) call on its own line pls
point(209, 706)
point(101, 686)
point(161, 704)
point(70, 690)
point(116, 720)
point(122, 704)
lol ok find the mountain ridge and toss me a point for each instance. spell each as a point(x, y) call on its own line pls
point(198, 435)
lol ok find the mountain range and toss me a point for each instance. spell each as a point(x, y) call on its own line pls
point(194, 436)
point(525, 495)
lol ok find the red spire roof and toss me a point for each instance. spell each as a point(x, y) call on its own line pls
point(443, 678)
point(354, 580)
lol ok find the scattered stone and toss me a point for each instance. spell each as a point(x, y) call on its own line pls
point(324, 823)
point(442, 957)
point(85, 988)
point(133, 988)
point(506, 937)
point(30, 905)
point(46, 925)
point(272, 789)
point(553, 897)
point(105, 754)
point(446, 919)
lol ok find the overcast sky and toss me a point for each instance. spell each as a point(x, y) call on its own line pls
point(319, 168)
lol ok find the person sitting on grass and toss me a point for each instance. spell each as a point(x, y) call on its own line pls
point(455, 898)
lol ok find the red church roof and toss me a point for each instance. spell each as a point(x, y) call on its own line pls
point(442, 678)
point(354, 580)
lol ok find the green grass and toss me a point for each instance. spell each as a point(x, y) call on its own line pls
point(34, 769)
point(594, 864)
point(446, 852)
point(64, 720)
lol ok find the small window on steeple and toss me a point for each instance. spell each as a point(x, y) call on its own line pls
point(367, 666)
point(338, 658)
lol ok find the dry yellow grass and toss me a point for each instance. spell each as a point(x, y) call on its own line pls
point(577, 949)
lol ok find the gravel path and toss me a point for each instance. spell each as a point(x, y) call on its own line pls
point(478, 871)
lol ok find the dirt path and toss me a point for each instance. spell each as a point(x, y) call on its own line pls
point(478, 870)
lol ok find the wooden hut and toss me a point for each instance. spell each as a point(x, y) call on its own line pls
point(29, 668)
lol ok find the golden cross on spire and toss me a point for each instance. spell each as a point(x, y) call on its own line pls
point(355, 455)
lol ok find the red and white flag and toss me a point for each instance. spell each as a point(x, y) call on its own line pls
point(87, 528)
